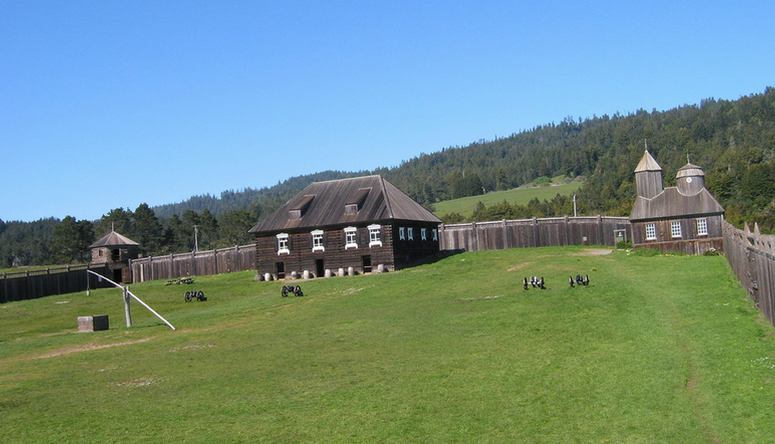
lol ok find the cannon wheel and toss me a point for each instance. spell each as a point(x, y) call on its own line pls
point(188, 296)
point(200, 295)
point(297, 291)
point(284, 291)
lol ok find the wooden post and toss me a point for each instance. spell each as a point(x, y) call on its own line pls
point(535, 232)
point(600, 230)
point(505, 234)
point(567, 232)
point(476, 236)
point(127, 312)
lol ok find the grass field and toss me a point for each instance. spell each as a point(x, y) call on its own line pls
point(656, 349)
point(522, 195)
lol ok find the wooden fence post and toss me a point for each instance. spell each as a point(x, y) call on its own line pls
point(505, 234)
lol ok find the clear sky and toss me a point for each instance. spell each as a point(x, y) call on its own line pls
point(108, 104)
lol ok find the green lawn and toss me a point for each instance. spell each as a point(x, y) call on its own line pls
point(657, 349)
point(522, 195)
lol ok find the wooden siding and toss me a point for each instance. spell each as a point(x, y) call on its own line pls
point(752, 258)
point(225, 260)
point(598, 230)
point(301, 257)
point(409, 252)
point(689, 242)
point(48, 282)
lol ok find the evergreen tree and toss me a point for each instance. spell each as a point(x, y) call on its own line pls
point(234, 228)
point(146, 230)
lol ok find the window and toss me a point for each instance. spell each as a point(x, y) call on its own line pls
point(424, 233)
point(675, 228)
point(651, 232)
point(411, 233)
point(317, 241)
point(702, 226)
point(374, 239)
point(401, 235)
point(350, 234)
point(282, 244)
point(435, 234)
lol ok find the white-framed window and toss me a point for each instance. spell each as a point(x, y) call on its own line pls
point(374, 236)
point(702, 226)
point(282, 244)
point(410, 233)
point(675, 228)
point(350, 238)
point(651, 232)
point(401, 235)
point(317, 241)
point(435, 234)
point(424, 233)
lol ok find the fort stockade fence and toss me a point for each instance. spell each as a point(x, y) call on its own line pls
point(535, 232)
point(750, 254)
point(17, 286)
point(171, 266)
point(752, 258)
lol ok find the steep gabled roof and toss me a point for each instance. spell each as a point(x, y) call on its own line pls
point(113, 239)
point(647, 163)
point(322, 204)
point(670, 203)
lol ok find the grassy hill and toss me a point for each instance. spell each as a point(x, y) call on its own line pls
point(522, 195)
point(452, 351)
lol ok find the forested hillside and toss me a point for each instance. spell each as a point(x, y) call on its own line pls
point(733, 140)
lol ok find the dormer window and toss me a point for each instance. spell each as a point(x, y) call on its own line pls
point(424, 233)
point(317, 241)
point(350, 238)
point(298, 210)
point(282, 244)
point(374, 236)
point(355, 202)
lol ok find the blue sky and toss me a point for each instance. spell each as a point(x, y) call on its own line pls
point(109, 104)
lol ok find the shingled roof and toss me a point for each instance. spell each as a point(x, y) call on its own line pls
point(323, 204)
point(113, 239)
point(647, 163)
point(670, 203)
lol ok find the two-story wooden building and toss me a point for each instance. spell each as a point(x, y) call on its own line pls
point(684, 218)
point(361, 222)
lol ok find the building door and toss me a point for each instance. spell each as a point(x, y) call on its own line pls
point(366, 263)
point(279, 268)
point(117, 275)
point(319, 268)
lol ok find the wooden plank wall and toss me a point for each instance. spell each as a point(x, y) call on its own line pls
point(48, 282)
point(752, 258)
point(224, 260)
point(476, 236)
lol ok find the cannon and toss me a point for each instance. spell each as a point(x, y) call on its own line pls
point(198, 295)
point(291, 289)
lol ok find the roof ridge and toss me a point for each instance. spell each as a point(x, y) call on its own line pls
point(387, 198)
point(347, 178)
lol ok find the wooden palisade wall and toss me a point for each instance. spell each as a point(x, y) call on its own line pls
point(18, 286)
point(597, 230)
point(752, 258)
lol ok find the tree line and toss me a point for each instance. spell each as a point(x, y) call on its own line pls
point(66, 241)
point(733, 140)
